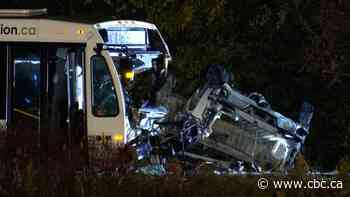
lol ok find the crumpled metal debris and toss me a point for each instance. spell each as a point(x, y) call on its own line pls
point(153, 169)
point(149, 116)
point(147, 128)
point(224, 126)
point(246, 128)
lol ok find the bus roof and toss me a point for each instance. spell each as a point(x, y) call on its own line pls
point(125, 23)
point(46, 30)
point(22, 12)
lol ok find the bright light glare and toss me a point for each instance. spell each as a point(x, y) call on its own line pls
point(118, 137)
point(129, 75)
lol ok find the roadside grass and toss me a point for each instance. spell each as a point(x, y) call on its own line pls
point(109, 184)
point(26, 179)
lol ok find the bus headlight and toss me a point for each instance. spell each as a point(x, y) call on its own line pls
point(129, 75)
point(118, 138)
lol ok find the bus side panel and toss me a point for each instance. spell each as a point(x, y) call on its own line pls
point(104, 126)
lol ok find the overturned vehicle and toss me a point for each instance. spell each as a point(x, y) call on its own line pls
point(246, 128)
point(223, 127)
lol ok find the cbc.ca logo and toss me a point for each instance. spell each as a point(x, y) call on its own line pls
point(10, 30)
point(263, 183)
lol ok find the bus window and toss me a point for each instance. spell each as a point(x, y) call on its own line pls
point(3, 68)
point(27, 81)
point(155, 41)
point(104, 101)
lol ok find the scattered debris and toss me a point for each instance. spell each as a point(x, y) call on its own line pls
point(222, 126)
point(231, 130)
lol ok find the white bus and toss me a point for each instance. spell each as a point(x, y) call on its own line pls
point(57, 81)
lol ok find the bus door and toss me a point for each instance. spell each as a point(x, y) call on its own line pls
point(76, 126)
point(24, 89)
point(65, 105)
point(47, 109)
point(3, 100)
